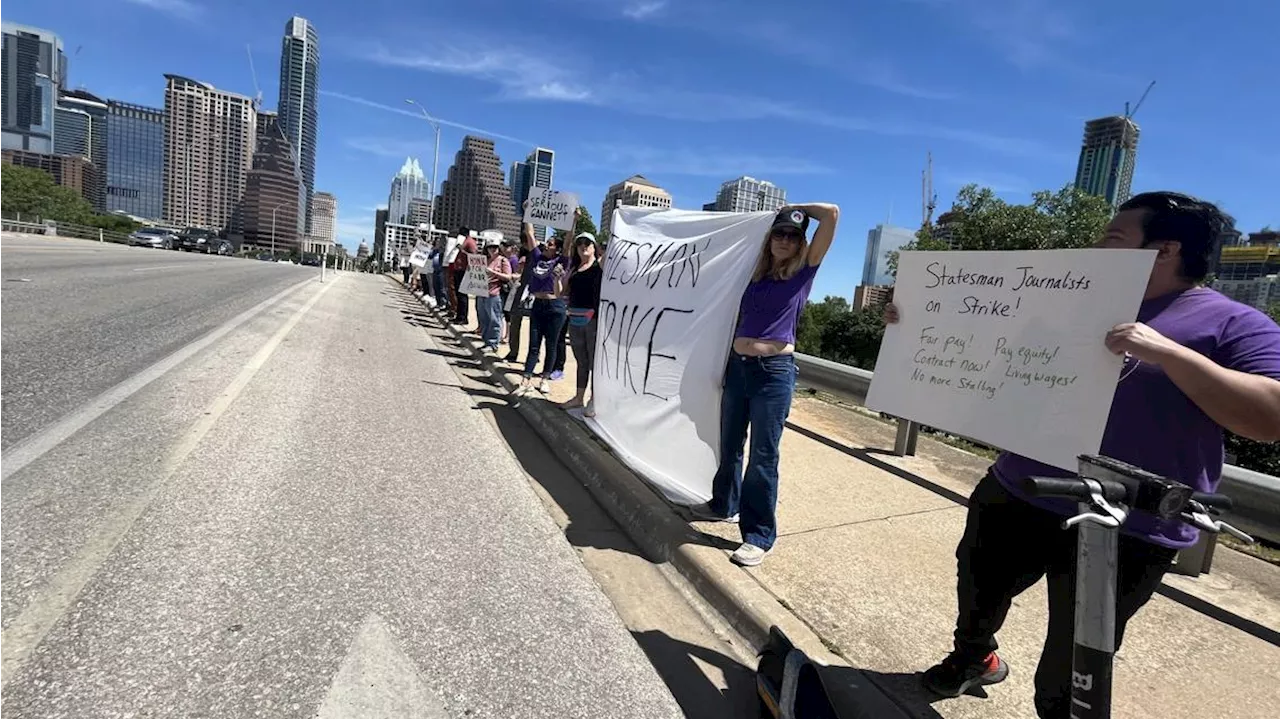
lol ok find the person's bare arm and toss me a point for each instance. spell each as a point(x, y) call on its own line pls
point(526, 230)
point(1242, 403)
point(828, 216)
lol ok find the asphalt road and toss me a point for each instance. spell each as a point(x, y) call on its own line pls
point(306, 518)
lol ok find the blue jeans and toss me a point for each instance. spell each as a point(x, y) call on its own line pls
point(757, 394)
point(545, 320)
point(437, 281)
point(489, 315)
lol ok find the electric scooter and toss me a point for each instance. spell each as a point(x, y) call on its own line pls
point(1108, 490)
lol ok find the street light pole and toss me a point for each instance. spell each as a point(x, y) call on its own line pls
point(435, 162)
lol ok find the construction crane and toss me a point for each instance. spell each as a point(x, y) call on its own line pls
point(1128, 114)
point(257, 99)
point(928, 199)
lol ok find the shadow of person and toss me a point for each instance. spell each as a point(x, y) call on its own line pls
point(696, 692)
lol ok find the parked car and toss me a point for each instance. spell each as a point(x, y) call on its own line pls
point(311, 260)
point(194, 239)
point(218, 247)
point(155, 237)
point(266, 257)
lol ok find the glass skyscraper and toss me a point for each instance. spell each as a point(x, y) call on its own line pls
point(537, 170)
point(135, 160)
point(34, 69)
point(80, 128)
point(882, 240)
point(299, 78)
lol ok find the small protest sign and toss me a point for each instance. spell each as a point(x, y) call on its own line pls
point(551, 208)
point(1007, 347)
point(476, 281)
point(420, 255)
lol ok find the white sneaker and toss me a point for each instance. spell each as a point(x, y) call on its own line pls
point(544, 387)
point(748, 555)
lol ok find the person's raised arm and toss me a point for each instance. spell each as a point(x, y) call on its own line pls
point(526, 229)
point(827, 216)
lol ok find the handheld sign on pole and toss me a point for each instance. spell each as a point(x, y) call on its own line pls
point(551, 208)
point(1007, 347)
point(476, 281)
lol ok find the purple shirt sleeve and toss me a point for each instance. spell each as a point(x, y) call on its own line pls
point(1250, 343)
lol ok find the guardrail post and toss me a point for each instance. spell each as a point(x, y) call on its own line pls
point(904, 445)
point(99, 234)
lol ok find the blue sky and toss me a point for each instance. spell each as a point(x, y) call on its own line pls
point(837, 100)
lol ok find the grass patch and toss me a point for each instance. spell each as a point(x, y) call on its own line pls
point(1263, 550)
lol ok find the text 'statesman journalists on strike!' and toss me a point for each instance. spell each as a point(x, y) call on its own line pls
point(1007, 347)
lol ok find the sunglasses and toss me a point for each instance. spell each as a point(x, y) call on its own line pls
point(788, 235)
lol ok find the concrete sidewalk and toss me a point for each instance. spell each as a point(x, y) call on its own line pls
point(865, 558)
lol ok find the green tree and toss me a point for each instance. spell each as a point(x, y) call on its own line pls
point(1053, 220)
point(854, 337)
point(33, 192)
point(813, 319)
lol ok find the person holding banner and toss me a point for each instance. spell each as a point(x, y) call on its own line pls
point(547, 269)
point(583, 293)
point(761, 376)
point(462, 303)
point(1196, 363)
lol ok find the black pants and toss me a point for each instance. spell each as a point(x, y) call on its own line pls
point(562, 346)
point(1007, 546)
point(461, 313)
point(514, 323)
point(405, 271)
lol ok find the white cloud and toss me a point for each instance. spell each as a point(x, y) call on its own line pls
point(641, 9)
point(697, 162)
point(179, 8)
point(1000, 182)
point(391, 147)
point(519, 75)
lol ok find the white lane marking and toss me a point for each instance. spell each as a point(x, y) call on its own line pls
point(165, 267)
point(32, 448)
point(57, 596)
point(377, 679)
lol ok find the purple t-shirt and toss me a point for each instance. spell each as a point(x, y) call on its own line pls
point(770, 308)
point(1152, 423)
point(541, 272)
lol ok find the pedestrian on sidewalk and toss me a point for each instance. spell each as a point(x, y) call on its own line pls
point(1196, 363)
point(547, 269)
point(405, 269)
point(521, 307)
point(761, 376)
point(583, 294)
point(453, 245)
point(462, 302)
point(489, 307)
point(437, 275)
point(562, 339)
point(508, 251)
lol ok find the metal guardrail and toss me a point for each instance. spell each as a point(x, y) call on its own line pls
point(64, 229)
point(1256, 495)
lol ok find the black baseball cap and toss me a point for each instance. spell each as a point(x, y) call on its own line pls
point(792, 217)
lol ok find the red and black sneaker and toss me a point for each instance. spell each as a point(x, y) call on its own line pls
point(956, 675)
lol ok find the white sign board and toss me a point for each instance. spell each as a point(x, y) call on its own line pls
point(421, 254)
point(673, 280)
point(476, 281)
point(1007, 347)
point(551, 208)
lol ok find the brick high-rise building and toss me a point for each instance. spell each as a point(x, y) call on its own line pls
point(474, 195)
point(270, 208)
point(76, 172)
point(209, 139)
point(635, 191)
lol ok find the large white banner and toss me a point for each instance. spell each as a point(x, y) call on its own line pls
point(1007, 347)
point(673, 280)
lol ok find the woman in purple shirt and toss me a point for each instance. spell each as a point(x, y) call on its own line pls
point(761, 376)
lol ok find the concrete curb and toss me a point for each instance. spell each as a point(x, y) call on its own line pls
point(664, 537)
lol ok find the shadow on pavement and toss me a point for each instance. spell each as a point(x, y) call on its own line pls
point(688, 682)
point(903, 688)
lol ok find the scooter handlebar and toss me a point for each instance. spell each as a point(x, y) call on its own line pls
point(1072, 488)
point(1219, 502)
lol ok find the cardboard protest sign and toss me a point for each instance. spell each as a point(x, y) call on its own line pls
point(673, 280)
point(1007, 347)
point(551, 208)
point(476, 281)
point(420, 255)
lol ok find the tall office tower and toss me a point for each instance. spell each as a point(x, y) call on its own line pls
point(135, 160)
point(747, 194)
point(324, 223)
point(380, 231)
point(209, 139)
point(635, 191)
point(34, 71)
point(299, 83)
point(1107, 158)
point(474, 194)
point(408, 185)
point(80, 128)
point(881, 240)
point(419, 212)
point(270, 208)
point(537, 170)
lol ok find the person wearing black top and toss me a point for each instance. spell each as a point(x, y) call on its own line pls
point(584, 301)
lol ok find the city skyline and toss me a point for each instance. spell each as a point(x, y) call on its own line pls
point(855, 135)
point(297, 106)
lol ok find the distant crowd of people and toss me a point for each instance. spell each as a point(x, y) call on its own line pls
point(556, 291)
